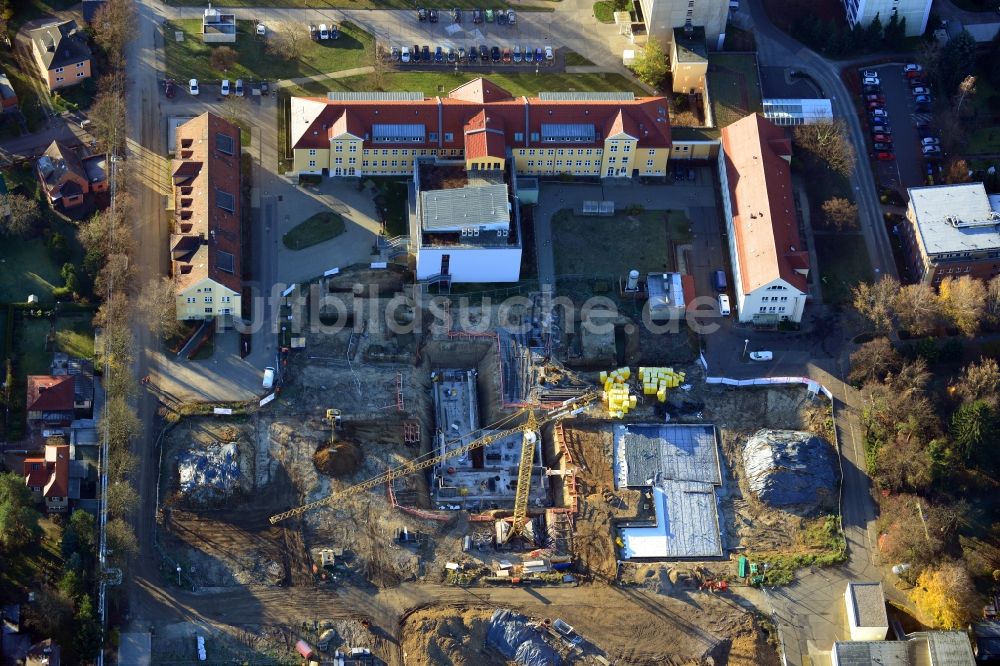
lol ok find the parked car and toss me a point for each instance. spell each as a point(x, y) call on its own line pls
point(239, 87)
point(549, 55)
point(506, 57)
point(425, 51)
point(912, 67)
point(917, 82)
point(416, 54)
point(438, 54)
point(914, 75)
point(761, 355)
point(394, 54)
point(473, 53)
point(879, 113)
point(432, 15)
point(452, 56)
point(404, 54)
point(313, 33)
point(193, 86)
point(489, 16)
point(882, 146)
point(501, 17)
point(875, 105)
point(930, 141)
point(510, 17)
point(456, 15)
point(724, 308)
point(719, 282)
point(224, 89)
point(931, 150)
point(870, 73)
point(477, 15)
point(515, 54)
point(885, 157)
point(324, 33)
point(871, 81)
point(873, 90)
point(882, 138)
point(528, 54)
point(921, 90)
point(268, 381)
point(539, 55)
point(484, 53)
point(169, 88)
point(495, 54)
point(334, 31)
point(461, 54)
point(921, 99)
point(874, 98)
point(881, 128)
point(421, 14)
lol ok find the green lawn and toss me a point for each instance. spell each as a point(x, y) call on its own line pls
point(75, 98)
point(191, 57)
point(604, 11)
point(733, 87)
point(33, 566)
point(391, 201)
point(442, 82)
point(318, 228)
point(574, 59)
point(601, 246)
point(843, 262)
point(74, 335)
point(26, 268)
point(26, 10)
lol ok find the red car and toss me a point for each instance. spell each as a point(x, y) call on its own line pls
point(875, 98)
point(885, 157)
point(875, 105)
point(914, 75)
point(881, 138)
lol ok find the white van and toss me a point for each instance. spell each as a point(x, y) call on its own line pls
point(268, 377)
point(724, 309)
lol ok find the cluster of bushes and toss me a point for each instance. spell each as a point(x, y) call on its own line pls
point(836, 38)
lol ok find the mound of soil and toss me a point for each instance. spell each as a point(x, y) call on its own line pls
point(338, 459)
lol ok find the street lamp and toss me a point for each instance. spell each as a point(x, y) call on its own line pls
point(178, 575)
point(746, 343)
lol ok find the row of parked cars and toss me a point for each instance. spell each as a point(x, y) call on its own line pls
point(500, 16)
point(474, 54)
point(324, 32)
point(875, 103)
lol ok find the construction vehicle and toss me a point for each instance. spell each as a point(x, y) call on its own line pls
point(503, 429)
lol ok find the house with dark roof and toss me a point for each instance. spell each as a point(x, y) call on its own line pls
point(68, 178)
point(206, 244)
point(8, 98)
point(62, 53)
point(48, 477)
point(605, 134)
point(770, 264)
point(82, 372)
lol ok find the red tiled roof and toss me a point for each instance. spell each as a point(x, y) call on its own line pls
point(644, 118)
point(51, 473)
point(484, 136)
point(35, 472)
point(760, 189)
point(50, 394)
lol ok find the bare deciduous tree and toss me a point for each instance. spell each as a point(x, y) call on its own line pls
point(873, 361)
point(980, 381)
point(223, 58)
point(114, 25)
point(829, 142)
point(158, 306)
point(122, 544)
point(841, 214)
point(108, 233)
point(122, 499)
point(876, 302)
point(918, 308)
point(20, 214)
point(107, 114)
point(287, 41)
point(963, 301)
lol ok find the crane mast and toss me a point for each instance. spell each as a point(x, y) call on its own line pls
point(421, 464)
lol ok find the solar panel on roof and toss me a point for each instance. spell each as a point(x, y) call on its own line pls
point(398, 133)
point(225, 261)
point(568, 133)
point(586, 96)
point(224, 143)
point(375, 96)
point(225, 201)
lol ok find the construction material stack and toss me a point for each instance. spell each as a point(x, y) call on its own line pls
point(616, 392)
point(656, 381)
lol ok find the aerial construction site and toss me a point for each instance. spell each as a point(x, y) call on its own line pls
point(448, 494)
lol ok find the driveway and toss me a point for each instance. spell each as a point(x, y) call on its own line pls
point(907, 169)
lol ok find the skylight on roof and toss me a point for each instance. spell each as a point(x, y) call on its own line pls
point(398, 133)
point(568, 133)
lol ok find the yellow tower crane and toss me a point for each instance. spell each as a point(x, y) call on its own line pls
point(423, 462)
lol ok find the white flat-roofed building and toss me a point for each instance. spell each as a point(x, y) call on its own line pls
point(915, 12)
point(866, 616)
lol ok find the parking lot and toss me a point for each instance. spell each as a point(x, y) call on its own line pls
point(908, 168)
